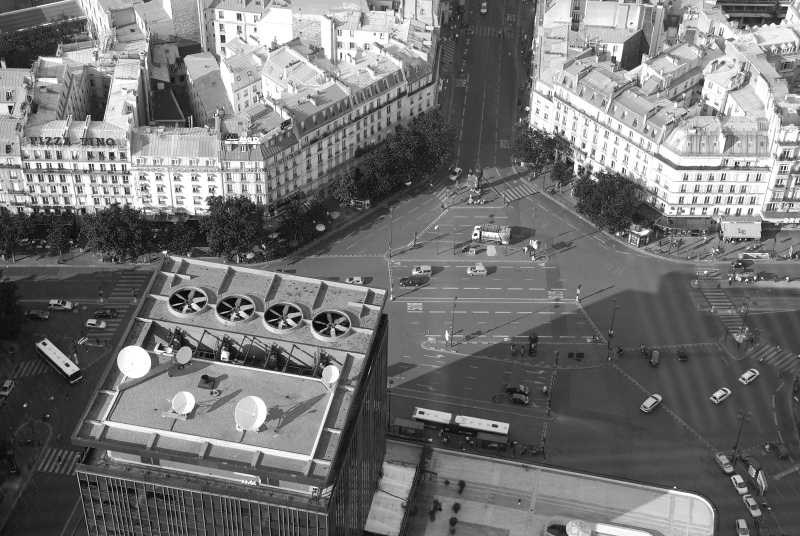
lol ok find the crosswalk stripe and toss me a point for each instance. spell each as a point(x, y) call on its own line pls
point(49, 461)
point(29, 368)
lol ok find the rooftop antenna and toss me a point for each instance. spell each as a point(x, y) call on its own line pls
point(134, 361)
point(250, 414)
point(183, 403)
point(330, 375)
point(184, 356)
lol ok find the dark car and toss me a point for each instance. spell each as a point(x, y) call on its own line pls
point(736, 264)
point(517, 390)
point(780, 449)
point(682, 355)
point(534, 344)
point(105, 313)
point(37, 314)
point(410, 281)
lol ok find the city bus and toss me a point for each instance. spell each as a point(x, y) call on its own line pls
point(430, 416)
point(476, 425)
point(63, 365)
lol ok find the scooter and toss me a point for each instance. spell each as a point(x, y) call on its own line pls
point(766, 507)
point(523, 451)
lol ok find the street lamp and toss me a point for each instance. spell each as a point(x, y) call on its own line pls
point(533, 225)
point(744, 417)
point(100, 290)
point(611, 329)
point(391, 226)
point(453, 325)
point(389, 413)
point(745, 310)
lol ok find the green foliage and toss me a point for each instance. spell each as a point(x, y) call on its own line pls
point(456, 507)
point(180, 238)
point(453, 521)
point(535, 148)
point(13, 228)
point(21, 48)
point(119, 231)
point(608, 202)
point(12, 316)
point(233, 226)
point(345, 189)
point(562, 172)
point(58, 237)
point(461, 486)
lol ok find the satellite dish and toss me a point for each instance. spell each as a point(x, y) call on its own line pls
point(184, 355)
point(250, 414)
point(133, 361)
point(330, 375)
point(183, 403)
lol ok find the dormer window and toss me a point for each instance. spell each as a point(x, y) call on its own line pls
point(635, 122)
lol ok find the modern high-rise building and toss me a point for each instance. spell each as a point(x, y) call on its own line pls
point(240, 402)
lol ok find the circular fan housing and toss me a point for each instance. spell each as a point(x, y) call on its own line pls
point(235, 308)
point(187, 301)
point(283, 317)
point(330, 325)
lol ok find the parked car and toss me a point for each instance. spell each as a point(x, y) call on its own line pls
point(478, 269)
point(60, 305)
point(780, 449)
point(720, 395)
point(484, 8)
point(739, 485)
point(748, 376)
point(93, 323)
point(752, 505)
point(410, 281)
point(651, 403)
point(37, 314)
point(105, 313)
point(517, 389)
point(7, 387)
point(520, 399)
point(682, 355)
point(723, 462)
point(455, 173)
point(355, 280)
point(741, 528)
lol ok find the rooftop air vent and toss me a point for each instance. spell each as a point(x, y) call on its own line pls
point(235, 308)
point(282, 317)
point(187, 301)
point(330, 325)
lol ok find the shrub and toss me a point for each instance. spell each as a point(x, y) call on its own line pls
point(432, 515)
point(461, 486)
point(446, 482)
point(456, 507)
point(453, 521)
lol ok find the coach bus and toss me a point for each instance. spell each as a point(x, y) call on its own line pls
point(429, 416)
point(475, 425)
point(63, 365)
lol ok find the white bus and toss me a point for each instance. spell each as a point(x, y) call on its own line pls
point(58, 361)
point(482, 425)
point(432, 417)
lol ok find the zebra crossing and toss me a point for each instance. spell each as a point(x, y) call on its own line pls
point(448, 51)
point(728, 314)
point(31, 367)
point(121, 299)
point(523, 189)
point(493, 31)
point(58, 461)
point(780, 358)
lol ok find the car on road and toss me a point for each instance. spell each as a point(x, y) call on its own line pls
point(93, 323)
point(520, 399)
point(478, 269)
point(7, 387)
point(456, 173)
point(37, 314)
point(410, 281)
point(484, 8)
point(161, 348)
point(651, 403)
point(780, 449)
point(723, 462)
point(739, 485)
point(423, 270)
point(741, 528)
point(517, 389)
point(355, 280)
point(105, 312)
point(682, 355)
point(752, 505)
point(737, 264)
point(748, 376)
point(60, 305)
point(720, 395)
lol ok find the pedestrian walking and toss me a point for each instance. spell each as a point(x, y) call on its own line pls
point(66, 396)
point(719, 285)
point(97, 340)
point(519, 501)
point(494, 397)
point(778, 349)
point(730, 283)
point(58, 460)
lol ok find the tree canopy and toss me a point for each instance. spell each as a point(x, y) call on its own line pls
point(609, 202)
point(22, 47)
point(535, 148)
point(13, 228)
point(58, 237)
point(233, 226)
point(562, 172)
point(120, 231)
point(180, 238)
point(300, 219)
point(12, 316)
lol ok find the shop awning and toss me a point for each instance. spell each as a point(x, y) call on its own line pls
point(741, 229)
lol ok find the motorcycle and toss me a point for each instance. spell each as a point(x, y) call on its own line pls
point(766, 507)
point(523, 451)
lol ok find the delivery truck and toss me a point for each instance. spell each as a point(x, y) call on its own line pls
point(492, 233)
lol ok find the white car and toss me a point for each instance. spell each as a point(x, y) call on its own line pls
point(741, 528)
point(456, 173)
point(748, 376)
point(424, 270)
point(651, 403)
point(720, 395)
point(752, 505)
point(739, 485)
point(484, 8)
point(355, 280)
point(478, 269)
point(94, 323)
point(8, 386)
point(60, 305)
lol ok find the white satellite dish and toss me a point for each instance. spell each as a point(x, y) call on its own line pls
point(133, 361)
point(184, 355)
point(330, 375)
point(183, 403)
point(250, 414)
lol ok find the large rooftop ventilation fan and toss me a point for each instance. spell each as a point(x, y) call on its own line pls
point(331, 324)
point(235, 308)
point(188, 300)
point(283, 316)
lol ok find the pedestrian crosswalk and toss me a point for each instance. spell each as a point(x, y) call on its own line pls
point(778, 357)
point(710, 281)
point(522, 189)
point(58, 461)
point(31, 367)
point(494, 31)
point(448, 51)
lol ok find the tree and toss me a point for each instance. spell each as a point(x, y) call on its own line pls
point(609, 202)
point(233, 226)
point(534, 148)
point(13, 228)
point(120, 231)
point(562, 172)
point(12, 316)
point(180, 238)
point(436, 137)
point(58, 238)
point(346, 189)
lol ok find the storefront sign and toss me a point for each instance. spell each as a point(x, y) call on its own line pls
point(86, 142)
point(251, 139)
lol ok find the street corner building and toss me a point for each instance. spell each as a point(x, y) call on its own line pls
point(241, 402)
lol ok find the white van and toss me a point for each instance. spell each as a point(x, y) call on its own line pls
point(478, 269)
point(425, 270)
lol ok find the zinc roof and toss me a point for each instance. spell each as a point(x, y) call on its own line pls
point(203, 72)
point(245, 70)
point(168, 142)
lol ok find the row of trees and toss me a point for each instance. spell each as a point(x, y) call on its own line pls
point(413, 150)
point(609, 200)
point(22, 47)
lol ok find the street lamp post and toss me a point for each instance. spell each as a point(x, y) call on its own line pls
point(454, 240)
point(533, 224)
point(745, 310)
point(744, 417)
point(391, 230)
point(611, 329)
point(453, 325)
point(389, 413)
point(100, 290)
